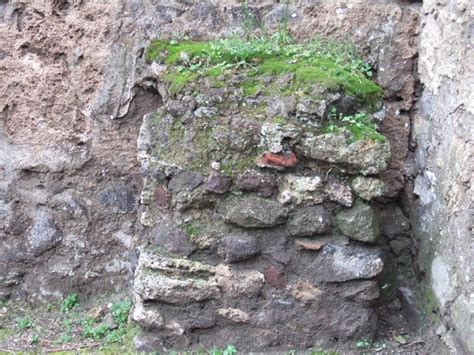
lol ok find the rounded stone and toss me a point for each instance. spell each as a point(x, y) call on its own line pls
point(359, 223)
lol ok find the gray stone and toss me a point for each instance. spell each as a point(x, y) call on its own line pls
point(147, 317)
point(255, 212)
point(340, 263)
point(364, 156)
point(119, 199)
point(309, 106)
point(218, 183)
point(462, 313)
point(299, 189)
point(359, 223)
point(273, 135)
point(364, 292)
point(204, 112)
point(70, 205)
point(168, 236)
point(282, 106)
point(254, 181)
point(44, 235)
point(179, 108)
point(308, 221)
point(368, 187)
point(441, 280)
point(236, 248)
point(339, 192)
point(185, 180)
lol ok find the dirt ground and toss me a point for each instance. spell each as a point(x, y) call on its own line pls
point(94, 326)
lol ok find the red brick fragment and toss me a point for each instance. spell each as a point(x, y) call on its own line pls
point(277, 160)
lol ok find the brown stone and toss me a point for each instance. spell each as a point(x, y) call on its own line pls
point(234, 314)
point(305, 292)
point(308, 244)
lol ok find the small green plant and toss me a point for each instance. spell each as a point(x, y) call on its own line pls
point(191, 230)
point(364, 344)
point(69, 302)
point(360, 125)
point(250, 20)
point(91, 331)
point(35, 339)
point(400, 339)
point(120, 311)
point(64, 339)
point(229, 350)
point(25, 323)
point(3, 303)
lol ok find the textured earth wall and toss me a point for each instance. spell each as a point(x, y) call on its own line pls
point(442, 133)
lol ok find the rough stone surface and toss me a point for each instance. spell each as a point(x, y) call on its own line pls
point(305, 292)
point(339, 192)
point(233, 314)
point(44, 234)
point(359, 223)
point(174, 280)
point(254, 181)
point(218, 183)
point(393, 222)
point(442, 132)
point(236, 248)
point(364, 156)
point(299, 189)
point(338, 263)
point(254, 212)
point(243, 283)
point(185, 181)
point(308, 221)
point(368, 188)
point(147, 318)
point(170, 238)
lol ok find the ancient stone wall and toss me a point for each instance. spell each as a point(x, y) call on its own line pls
point(442, 132)
point(258, 228)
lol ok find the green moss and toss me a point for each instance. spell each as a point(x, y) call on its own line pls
point(323, 62)
point(192, 230)
point(169, 52)
point(430, 304)
point(250, 88)
point(177, 80)
point(5, 333)
point(279, 120)
point(365, 132)
point(360, 125)
point(322, 71)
